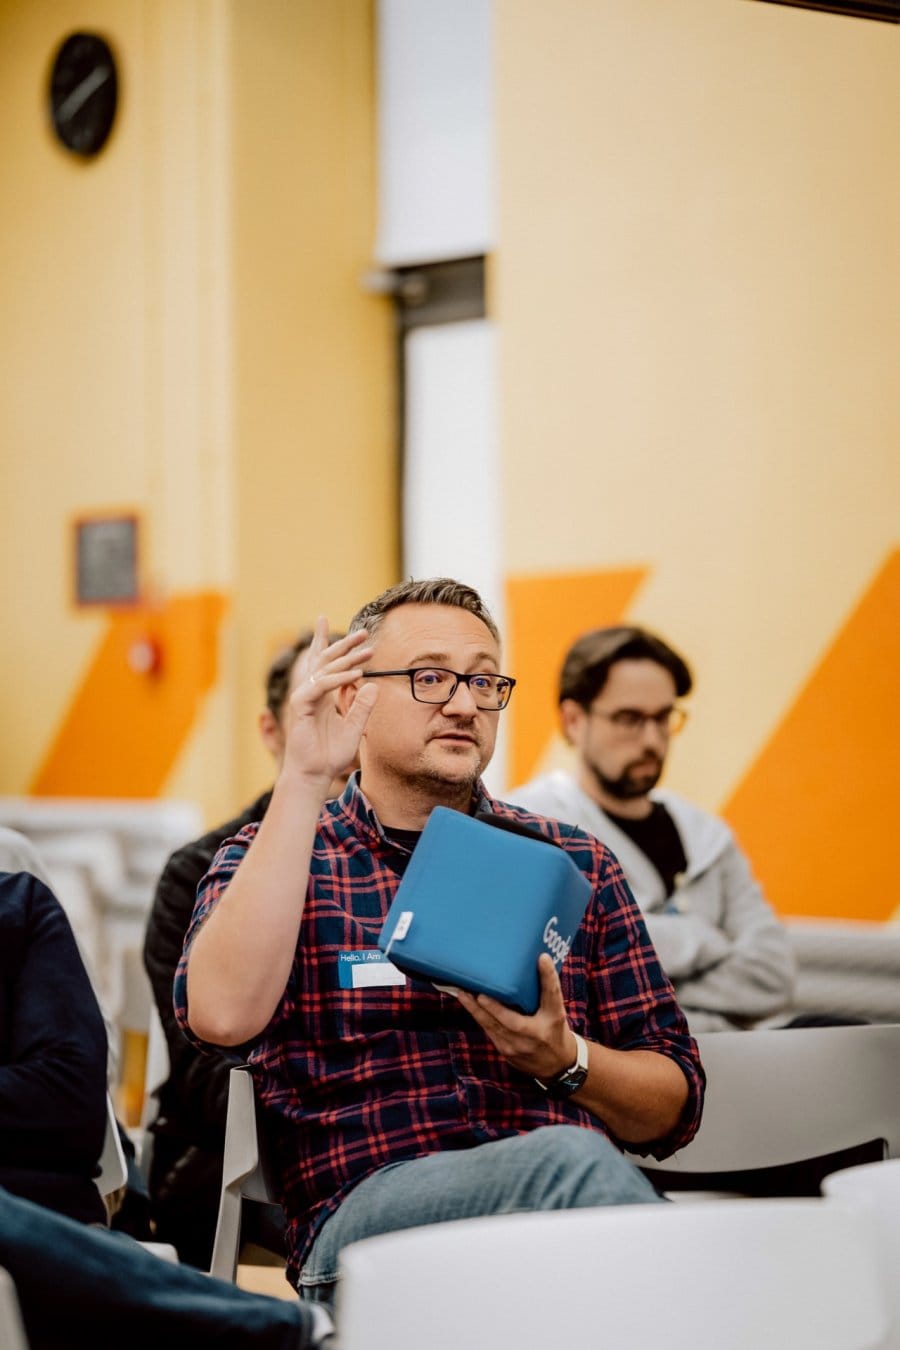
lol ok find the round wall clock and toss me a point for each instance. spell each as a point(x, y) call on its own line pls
point(84, 89)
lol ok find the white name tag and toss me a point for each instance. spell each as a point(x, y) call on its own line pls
point(367, 969)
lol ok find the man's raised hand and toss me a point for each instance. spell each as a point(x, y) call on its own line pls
point(325, 725)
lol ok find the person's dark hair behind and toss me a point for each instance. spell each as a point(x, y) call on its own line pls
point(590, 659)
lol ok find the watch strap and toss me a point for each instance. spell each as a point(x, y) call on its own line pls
point(568, 1080)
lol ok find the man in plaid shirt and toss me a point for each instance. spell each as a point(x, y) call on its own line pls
point(392, 1103)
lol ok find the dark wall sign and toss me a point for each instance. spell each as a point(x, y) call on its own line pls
point(106, 561)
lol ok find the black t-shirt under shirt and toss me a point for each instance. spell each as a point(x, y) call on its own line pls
point(657, 836)
point(406, 839)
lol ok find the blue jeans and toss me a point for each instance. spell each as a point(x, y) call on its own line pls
point(79, 1284)
point(554, 1167)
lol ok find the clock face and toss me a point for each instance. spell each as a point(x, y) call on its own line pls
point(84, 88)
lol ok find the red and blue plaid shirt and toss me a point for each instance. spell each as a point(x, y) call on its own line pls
point(351, 1079)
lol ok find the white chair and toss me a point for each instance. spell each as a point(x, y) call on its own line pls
point(776, 1098)
point(845, 966)
point(745, 1274)
point(155, 1075)
point(114, 1174)
point(246, 1173)
point(12, 1331)
point(876, 1188)
point(113, 1166)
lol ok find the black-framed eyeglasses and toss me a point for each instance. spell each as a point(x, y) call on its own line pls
point(630, 722)
point(433, 684)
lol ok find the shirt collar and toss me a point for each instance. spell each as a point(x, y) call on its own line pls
point(354, 803)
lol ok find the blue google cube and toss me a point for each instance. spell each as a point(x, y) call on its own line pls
point(478, 904)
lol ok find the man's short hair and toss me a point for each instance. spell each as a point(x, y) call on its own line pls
point(431, 591)
point(278, 676)
point(590, 659)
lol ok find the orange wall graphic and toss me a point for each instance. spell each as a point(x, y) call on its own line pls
point(545, 614)
point(125, 727)
point(817, 811)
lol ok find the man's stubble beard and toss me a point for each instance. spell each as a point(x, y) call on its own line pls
point(443, 790)
point(428, 777)
point(426, 780)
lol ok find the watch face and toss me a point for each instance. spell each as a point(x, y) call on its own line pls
point(84, 89)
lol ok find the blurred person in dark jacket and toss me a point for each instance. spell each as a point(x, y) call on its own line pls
point(129, 1208)
point(52, 1056)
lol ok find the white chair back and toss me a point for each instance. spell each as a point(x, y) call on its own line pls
point(113, 1165)
point(746, 1274)
point(786, 1096)
point(245, 1173)
point(12, 1331)
point(114, 1174)
point(155, 1075)
point(157, 1064)
point(876, 1188)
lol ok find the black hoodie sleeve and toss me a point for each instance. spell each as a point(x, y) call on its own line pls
point(52, 1037)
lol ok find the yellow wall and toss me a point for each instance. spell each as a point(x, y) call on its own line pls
point(314, 357)
point(183, 335)
point(74, 388)
point(698, 287)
